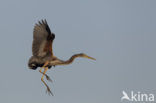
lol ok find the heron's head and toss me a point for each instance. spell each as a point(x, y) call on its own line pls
point(86, 56)
point(33, 65)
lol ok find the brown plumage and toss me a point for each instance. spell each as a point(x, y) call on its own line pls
point(42, 51)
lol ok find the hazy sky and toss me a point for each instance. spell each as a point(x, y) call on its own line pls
point(120, 34)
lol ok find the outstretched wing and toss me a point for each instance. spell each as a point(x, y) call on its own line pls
point(42, 39)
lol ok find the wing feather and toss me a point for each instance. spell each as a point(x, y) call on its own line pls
point(42, 39)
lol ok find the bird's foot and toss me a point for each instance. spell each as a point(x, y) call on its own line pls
point(49, 91)
point(48, 78)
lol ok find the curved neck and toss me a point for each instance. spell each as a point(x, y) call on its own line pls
point(70, 60)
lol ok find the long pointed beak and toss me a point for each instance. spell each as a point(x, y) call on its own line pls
point(89, 57)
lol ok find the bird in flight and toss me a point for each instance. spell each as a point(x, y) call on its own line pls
point(42, 53)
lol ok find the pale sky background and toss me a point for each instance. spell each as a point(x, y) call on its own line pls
point(120, 34)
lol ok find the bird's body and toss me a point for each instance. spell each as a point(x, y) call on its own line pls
point(42, 51)
point(35, 62)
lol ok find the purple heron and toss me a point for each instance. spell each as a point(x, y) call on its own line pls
point(42, 51)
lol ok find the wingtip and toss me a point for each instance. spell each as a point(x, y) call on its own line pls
point(45, 21)
point(42, 21)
